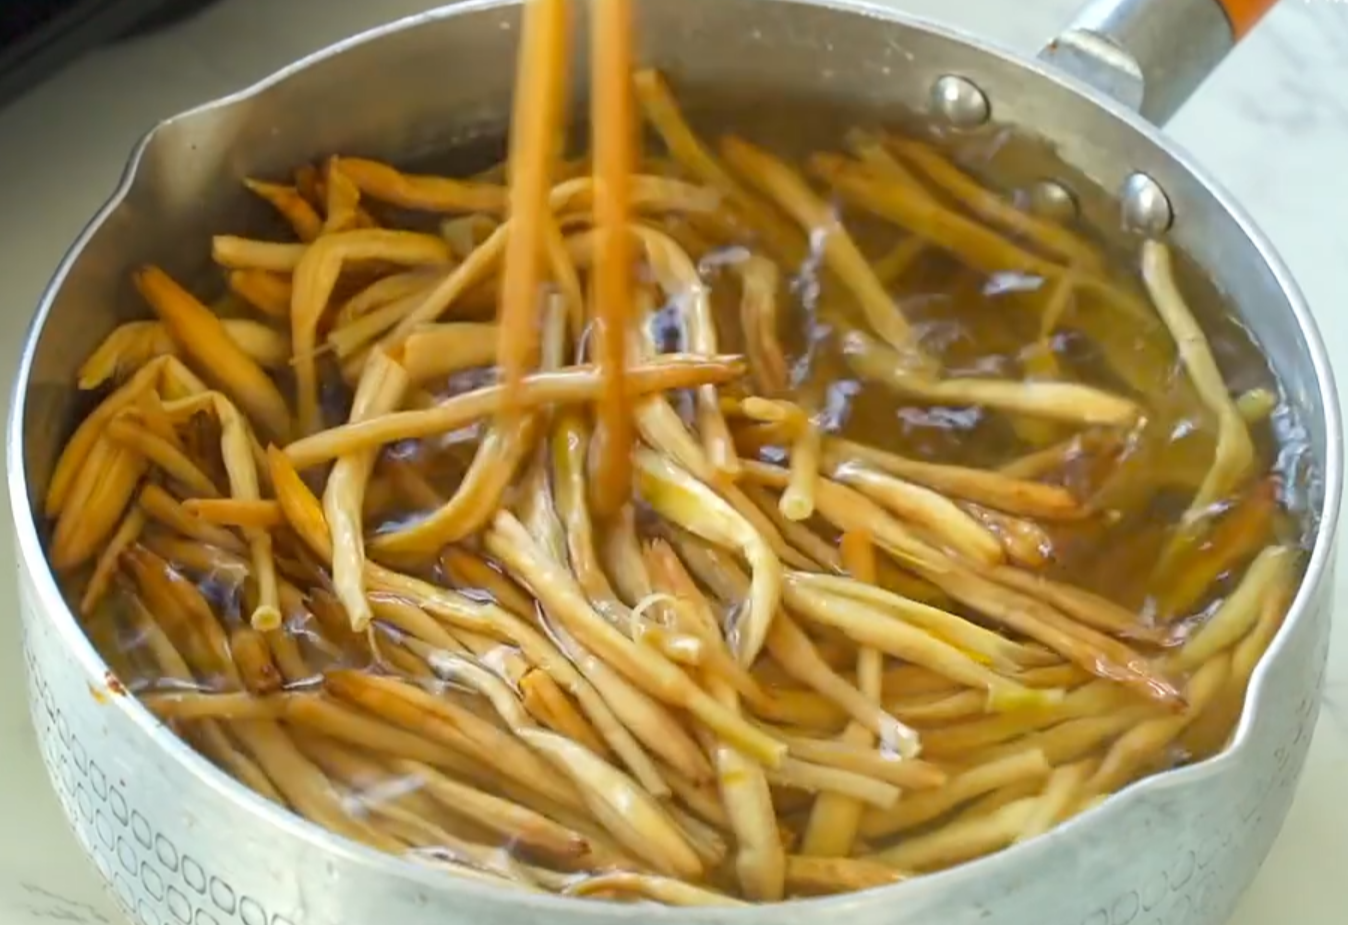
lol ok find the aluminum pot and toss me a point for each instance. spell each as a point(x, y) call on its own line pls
point(178, 841)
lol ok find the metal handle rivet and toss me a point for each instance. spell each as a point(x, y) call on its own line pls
point(1144, 206)
point(1051, 200)
point(959, 103)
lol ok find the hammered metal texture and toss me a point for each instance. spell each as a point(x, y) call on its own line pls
point(179, 844)
point(141, 836)
point(154, 880)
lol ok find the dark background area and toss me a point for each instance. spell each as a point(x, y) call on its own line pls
point(37, 37)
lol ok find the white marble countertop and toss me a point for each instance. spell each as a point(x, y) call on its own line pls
point(1272, 125)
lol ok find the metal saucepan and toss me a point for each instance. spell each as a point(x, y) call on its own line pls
point(180, 842)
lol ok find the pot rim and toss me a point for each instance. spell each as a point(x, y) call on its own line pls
point(52, 606)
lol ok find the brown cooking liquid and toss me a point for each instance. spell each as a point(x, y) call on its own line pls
point(974, 324)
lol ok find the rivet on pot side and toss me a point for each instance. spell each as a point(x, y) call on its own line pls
point(959, 103)
point(1144, 207)
point(1051, 200)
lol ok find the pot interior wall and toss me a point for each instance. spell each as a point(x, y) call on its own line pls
point(790, 70)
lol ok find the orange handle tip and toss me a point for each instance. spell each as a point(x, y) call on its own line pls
point(1245, 14)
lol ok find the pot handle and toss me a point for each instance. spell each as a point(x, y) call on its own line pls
point(1244, 14)
point(1151, 55)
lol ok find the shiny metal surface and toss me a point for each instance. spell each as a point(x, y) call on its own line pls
point(1052, 200)
point(958, 103)
point(1144, 208)
point(1150, 55)
point(180, 842)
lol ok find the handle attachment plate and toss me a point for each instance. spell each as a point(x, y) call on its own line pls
point(1151, 55)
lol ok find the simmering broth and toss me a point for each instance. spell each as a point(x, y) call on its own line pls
point(935, 537)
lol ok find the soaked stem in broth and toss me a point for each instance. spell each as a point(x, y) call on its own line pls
point(701, 519)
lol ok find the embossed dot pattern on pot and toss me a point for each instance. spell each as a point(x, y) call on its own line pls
point(1202, 878)
point(157, 883)
point(153, 881)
